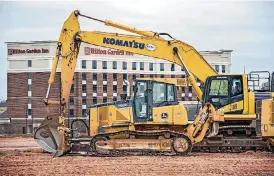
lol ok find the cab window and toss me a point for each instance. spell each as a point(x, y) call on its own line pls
point(218, 93)
point(159, 93)
point(163, 93)
point(237, 88)
point(170, 93)
point(219, 87)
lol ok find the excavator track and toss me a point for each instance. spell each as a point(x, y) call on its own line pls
point(176, 147)
point(230, 140)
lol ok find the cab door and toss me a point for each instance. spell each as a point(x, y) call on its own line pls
point(236, 104)
point(142, 101)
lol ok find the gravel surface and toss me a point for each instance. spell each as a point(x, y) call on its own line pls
point(21, 156)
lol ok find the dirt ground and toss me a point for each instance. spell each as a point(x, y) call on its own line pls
point(22, 156)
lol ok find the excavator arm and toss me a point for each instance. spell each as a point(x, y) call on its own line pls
point(144, 43)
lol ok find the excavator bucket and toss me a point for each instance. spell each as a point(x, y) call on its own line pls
point(49, 137)
point(46, 134)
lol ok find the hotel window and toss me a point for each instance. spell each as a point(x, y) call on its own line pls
point(84, 76)
point(104, 65)
point(114, 98)
point(94, 76)
point(84, 88)
point(84, 112)
point(72, 88)
point(29, 75)
point(29, 112)
point(84, 100)
point(172, 76)
point(29, 63)
point(217, 68)
point(150, 66)
point(84, 64)
point(142, 76)
point(162, 67)
point(141, 65)
point(172, 67)
point(104, 88)
point(114, 88)
point(133, 65)
point(114, 65)
point(190, 89)
point(125, 76)
point(162, 76)
point(94, 88)
point(183, 90)
point(151, 76)
point(183, 76)
point(124, 65)
point(94, 100)
point(94, 64)
point(223, 68)
point(133, 77)
point(105, 77)
point(114, 76)
point(104, 99)
point(71, 100)
point(29, 87)
point(124, 88)
point(71, 112)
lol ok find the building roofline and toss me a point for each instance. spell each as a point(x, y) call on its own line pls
point(214, 52)
point(32, 42)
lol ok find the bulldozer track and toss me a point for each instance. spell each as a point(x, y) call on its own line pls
point(144, 152)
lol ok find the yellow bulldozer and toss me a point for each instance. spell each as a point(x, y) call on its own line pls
point(232, 118)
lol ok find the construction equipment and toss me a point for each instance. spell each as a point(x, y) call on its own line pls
point(153, 122)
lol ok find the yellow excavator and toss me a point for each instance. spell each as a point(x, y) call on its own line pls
point(232, 117)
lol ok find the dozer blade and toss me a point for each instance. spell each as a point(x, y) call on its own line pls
point(49, 137)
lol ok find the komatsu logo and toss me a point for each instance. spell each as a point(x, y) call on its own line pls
point(125, 43)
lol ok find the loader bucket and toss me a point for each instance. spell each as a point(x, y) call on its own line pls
point(49, 138)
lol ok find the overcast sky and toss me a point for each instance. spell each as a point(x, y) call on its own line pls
point(245, 27)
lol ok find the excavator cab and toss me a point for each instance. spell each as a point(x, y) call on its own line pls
point(226, 91)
